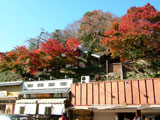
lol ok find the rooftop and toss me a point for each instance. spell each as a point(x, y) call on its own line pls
point(12, 83)
point(44, 91)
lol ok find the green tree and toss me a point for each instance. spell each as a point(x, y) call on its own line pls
point(92, 28)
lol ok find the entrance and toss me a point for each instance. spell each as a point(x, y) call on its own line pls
point(81, 115)
point(126, 116)
point(151, 116)
point(2, 109)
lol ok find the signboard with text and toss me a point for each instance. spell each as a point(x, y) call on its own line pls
point(3, 93)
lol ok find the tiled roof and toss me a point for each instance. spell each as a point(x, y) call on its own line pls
point(44, 91)
point(86, 49)
point(13, 83)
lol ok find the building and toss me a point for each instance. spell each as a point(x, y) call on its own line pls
point(116, 100)
point(44, 99)
point(112, 66)
point(9, 93)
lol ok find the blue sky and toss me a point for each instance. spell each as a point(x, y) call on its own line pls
point(23, 19)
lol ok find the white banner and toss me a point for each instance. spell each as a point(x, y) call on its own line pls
point(56, 109)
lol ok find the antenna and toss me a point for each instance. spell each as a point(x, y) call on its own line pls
point(51, 77)
point(65, 76)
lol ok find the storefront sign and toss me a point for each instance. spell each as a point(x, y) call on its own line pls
point(43, 96)
point(9, 109)
point(3, 93)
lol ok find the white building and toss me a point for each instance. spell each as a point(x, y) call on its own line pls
point(42, 98)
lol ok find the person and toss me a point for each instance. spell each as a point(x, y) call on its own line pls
point(135, 118)
point(138, 118)
point(63, 117)
point(147, 118)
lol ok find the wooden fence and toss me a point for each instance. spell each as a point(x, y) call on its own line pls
point(130, 92)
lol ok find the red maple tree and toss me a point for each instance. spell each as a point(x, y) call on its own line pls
point(51, 57)
point(16, 61)
point(137, 35)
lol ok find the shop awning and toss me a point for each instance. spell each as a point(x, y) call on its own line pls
point(51, 101)
point(45, 91)
point(8, 98)
point(78, 108)
point(155, 106)
point(27, 101)
point(134, 107)
point(147, 106)
point(110, 107)
point(115, 106)
point(41, 101)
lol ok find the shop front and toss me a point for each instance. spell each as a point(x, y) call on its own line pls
point(57, 106)
point(26, 106)
point(116, 100)
point(7, 105)
point(9, 93)
point(44, 99)
point(41, 108)
point(80, 113)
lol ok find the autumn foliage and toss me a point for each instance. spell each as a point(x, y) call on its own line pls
point(15, 61)
point(133, 36)
point(137, 35)
point(51, 57)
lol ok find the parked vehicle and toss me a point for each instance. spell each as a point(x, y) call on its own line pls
point(15, 117)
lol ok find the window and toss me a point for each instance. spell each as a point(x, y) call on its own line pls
point(57, 95)
point(51, 84)
point(63, 83)
point(22, 110)
point(40, 85)
point(65, 95)
point(29, 85)
point(47, 111)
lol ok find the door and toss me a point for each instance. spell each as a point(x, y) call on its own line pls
point(2, 109)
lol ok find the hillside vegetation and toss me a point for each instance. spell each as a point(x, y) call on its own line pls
point(133, 38)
